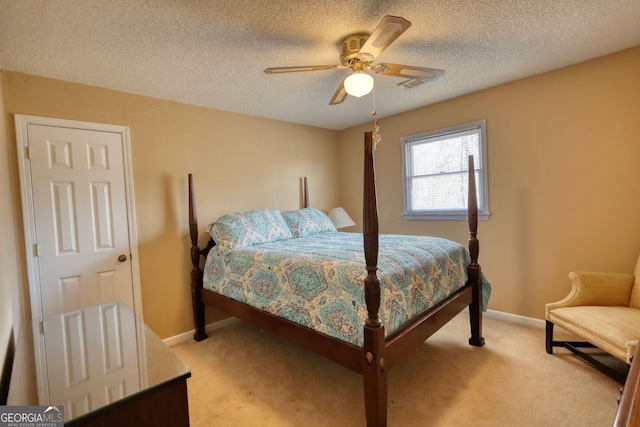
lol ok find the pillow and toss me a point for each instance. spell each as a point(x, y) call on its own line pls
point(308, 221)
point(237, 230)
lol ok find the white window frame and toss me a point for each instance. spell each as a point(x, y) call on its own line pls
point(482, 187)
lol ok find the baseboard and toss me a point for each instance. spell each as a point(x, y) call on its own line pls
point(515, 318)
point(5, 374)
point(185, 336)
point(500, 315)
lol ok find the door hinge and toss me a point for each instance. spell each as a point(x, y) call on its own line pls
point(29, 153)
point(42, 327)
point(36, 250)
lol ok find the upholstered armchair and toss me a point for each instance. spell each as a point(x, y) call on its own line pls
point(603, 309)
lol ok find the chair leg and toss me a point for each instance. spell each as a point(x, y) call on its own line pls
point(574, 347)
point(549, 337)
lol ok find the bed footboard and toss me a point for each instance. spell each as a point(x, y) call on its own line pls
point(374, 352)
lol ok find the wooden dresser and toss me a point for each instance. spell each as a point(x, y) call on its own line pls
point(104, 365)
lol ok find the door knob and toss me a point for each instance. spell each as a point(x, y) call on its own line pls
point(122, 258)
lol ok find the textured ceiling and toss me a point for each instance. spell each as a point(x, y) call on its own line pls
point(213, 52)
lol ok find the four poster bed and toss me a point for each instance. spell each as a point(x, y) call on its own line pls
point(316, 299)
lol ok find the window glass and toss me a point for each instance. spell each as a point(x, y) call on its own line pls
point(435, 166)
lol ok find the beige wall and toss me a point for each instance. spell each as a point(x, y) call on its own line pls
point(7, 272)
point(564, 155)
point(12, 277)
point(562, 151)
point(239, 163)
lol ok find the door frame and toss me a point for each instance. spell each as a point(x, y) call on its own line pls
point(28, 214)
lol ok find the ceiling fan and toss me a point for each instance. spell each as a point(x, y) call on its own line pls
point(358, 51)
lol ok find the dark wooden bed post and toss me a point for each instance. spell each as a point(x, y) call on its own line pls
point(474, 271)
point(373, 351)
point(196, 272)
point(305, 193)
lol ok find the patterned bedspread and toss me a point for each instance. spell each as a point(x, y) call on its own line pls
point(317, 281)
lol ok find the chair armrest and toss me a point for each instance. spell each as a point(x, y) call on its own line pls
point(588, 288)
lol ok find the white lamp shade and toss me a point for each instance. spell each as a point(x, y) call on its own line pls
point(358, 84)
point(340, 218)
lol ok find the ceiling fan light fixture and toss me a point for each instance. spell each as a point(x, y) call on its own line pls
point(358, 84)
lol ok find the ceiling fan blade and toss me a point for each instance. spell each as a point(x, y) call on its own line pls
point(278, 70)
point(387, 31)
point(339, 96)
point(407, 71)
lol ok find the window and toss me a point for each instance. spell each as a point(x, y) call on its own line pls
point(435, 177)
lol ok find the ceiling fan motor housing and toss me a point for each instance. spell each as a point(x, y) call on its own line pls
point(350, 46)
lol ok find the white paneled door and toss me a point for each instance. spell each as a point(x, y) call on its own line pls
point(97, 361)
point(78, 215)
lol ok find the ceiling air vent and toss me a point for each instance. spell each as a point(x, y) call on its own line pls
point(411, 84)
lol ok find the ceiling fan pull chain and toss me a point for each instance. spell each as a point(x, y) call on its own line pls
point(376, 136)
point(373, 113)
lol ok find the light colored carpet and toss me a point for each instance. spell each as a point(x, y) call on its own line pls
point(242, 377)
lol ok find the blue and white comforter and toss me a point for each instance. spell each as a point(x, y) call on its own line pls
point(317, 281)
